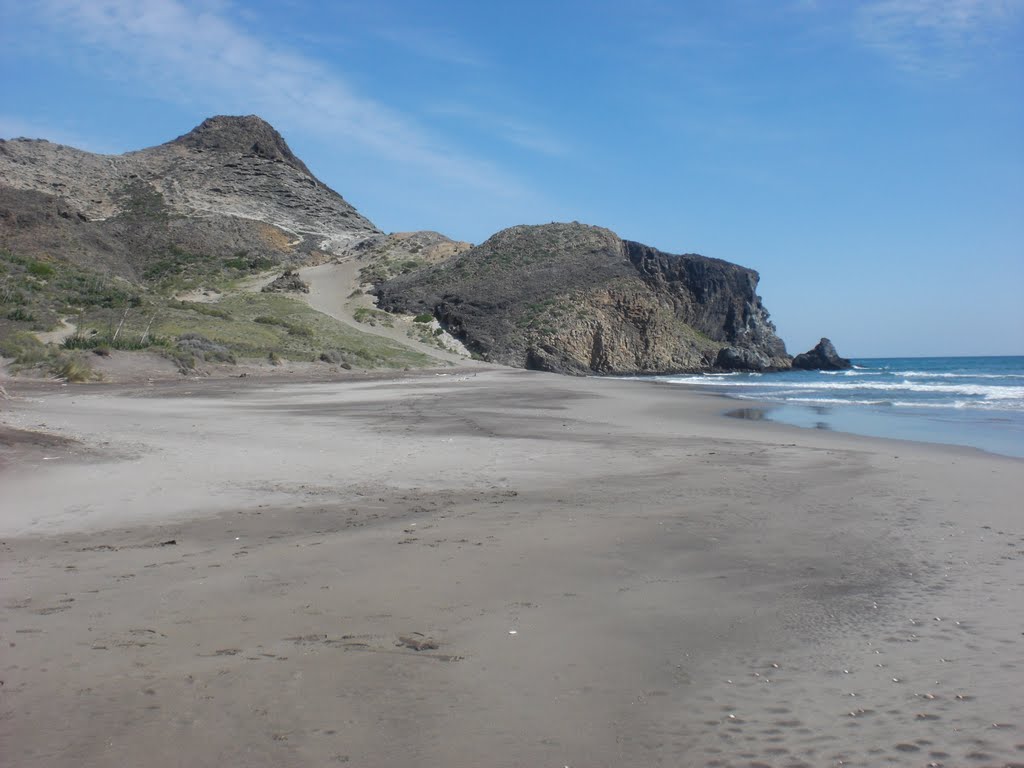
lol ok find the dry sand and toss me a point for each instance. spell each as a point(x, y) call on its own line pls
point(597, 573)
point(331, 287)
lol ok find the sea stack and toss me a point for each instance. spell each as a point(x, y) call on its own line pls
point(822, 358)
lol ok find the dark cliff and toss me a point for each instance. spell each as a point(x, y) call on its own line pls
point(573, 298)
point(717, 298)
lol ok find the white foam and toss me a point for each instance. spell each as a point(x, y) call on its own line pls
point(926, 375)
point(980, 405)
point(837, 390)
point(836, 401)
point(980, 390)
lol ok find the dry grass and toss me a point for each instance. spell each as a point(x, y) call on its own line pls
point(72, 369)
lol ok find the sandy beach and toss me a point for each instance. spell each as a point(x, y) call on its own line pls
point(494, 568)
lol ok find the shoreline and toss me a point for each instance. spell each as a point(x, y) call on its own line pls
point(261, 375)
point(929, 426)
point(759, 411)
point(239, 571)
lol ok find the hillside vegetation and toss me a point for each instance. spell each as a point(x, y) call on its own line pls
point(115, 313)
point(164, 249)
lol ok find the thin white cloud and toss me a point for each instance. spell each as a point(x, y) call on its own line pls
point(194, 53)
point(436, 44)
point(513, 130)
point(939, 36)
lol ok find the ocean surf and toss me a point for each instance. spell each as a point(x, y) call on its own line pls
point(970, 401)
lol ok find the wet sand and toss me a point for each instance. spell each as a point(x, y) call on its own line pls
point(596, 573)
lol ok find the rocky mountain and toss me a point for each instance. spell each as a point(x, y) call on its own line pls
point(230, 186)
point(102, 237)
point(165, 250)
point(573, 298)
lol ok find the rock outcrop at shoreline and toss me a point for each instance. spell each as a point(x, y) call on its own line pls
point(822, 358)
point(577, 299)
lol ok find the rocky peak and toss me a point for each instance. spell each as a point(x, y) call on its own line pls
point(237, 168)
point(248, 135)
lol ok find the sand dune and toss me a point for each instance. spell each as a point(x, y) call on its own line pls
point(330, 292)
point(597, 573)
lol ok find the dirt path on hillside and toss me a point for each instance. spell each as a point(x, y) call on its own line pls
point(330, 291)
point(58, 335)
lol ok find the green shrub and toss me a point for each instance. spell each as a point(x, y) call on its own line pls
point(200, 346)
point(143, 203)
point(425, 317)
point(173, 261)
point(294, 329)
point(80, 340)
point(20, 315)
point(24, 348)
point(79, 290)
point(200, 308)
point(41, 269)
point(245, 263)
point(124, 341)
point(184, 359)
point(373, 317)
point(337, 357)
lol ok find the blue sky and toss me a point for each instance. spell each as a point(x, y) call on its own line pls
point(866, 158)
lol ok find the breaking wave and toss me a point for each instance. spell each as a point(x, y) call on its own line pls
point(955, 383)
point(962, 401)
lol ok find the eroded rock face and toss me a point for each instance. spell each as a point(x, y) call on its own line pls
point(573, 298)
point(741, 359)
point(822, 358)
point(229, 173)
point(717, 298)
point(243, 136)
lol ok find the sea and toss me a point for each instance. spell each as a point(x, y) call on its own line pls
point(969, 401)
